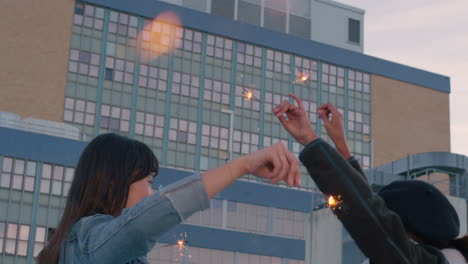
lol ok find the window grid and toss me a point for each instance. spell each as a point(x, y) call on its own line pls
point(183, 131)
point(181, 152)
point(153, 78)
point(79, 111)
point(248, 80)
point(305, 85)
point(333, 91)
point(156, 43)
point(56, 180)
point(123, 24)
point(88, 16)
point(115, 119)
point(151, 106)
point(215, 137)
point(84, 62)
point(210, 217)
point(278, 62)
point(359, 116)
point(85, 57)
point(218, 68)
point(249, 55)
point(186, 85)
point(217, 92)
point(120, 66)
point(185, 96)
point(278, 85)
point(333, 85)
point(188, 40)
point(39, 240)
point(252, 218)
point(54, 188)
point(217, 95)
point(247, 217)
point(245, 142)
point(219, 47)
point(14, 238)
point(149, 125)
point(289, 223)
point(18, 174)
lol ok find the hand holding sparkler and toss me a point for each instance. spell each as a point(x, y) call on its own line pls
point(275, 163)
point(296, 121)
point(334, 124)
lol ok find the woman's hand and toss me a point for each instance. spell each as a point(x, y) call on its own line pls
point(334, 124)
point(274, 163)
point(296, 121)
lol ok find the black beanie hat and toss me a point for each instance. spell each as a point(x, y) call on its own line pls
point(424, 210)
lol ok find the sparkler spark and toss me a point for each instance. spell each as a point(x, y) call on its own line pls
point(334, 202)
point(181, 243)
point(302, 77)
point(182, 248)
point(248, 94)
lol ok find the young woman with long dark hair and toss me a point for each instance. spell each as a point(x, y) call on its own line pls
point(112, 214)
point(408, 222)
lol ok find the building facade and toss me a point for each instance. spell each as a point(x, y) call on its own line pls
point(110, 66)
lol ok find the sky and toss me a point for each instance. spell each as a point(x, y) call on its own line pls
point(427, 34)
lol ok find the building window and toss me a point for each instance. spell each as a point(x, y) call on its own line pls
point(354, 30)
point(223, 8)
point(249, 12)
point(299, 26)
point(15, 238)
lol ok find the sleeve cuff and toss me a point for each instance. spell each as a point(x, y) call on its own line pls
point(309, 146)
point(188, 196)
point(352, 159)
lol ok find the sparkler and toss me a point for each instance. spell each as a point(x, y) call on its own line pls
point(248, 94)
point(182, 249)
point(334, 202)
point(302, 77)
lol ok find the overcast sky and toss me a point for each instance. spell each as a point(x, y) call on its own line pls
point(426, 34)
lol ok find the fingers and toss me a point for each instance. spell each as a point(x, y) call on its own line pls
point(288, 168)
point(294, 175)
point(333, 109)
point(329, 108)
point(284, 107)
point(283, 171)
point(283, 121)
point(298, 101)
point(323, 114)
point(281, 166)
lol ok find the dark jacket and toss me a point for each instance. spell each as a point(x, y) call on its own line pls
point(377, 230)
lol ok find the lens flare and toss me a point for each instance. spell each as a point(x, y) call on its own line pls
point(159, 36)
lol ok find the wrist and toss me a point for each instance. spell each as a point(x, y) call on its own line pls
point(307, 139)
point(241, 165)
point(343, 149)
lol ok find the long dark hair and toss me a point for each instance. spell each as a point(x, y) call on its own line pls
point(107, 167)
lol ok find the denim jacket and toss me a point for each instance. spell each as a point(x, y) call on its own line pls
point(129, 237)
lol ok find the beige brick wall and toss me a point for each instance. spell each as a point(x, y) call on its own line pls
point(34, 46)
point(407, 119)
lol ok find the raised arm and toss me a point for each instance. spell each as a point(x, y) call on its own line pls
point(135, 232)
point(377, 230)
point(334, 124)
